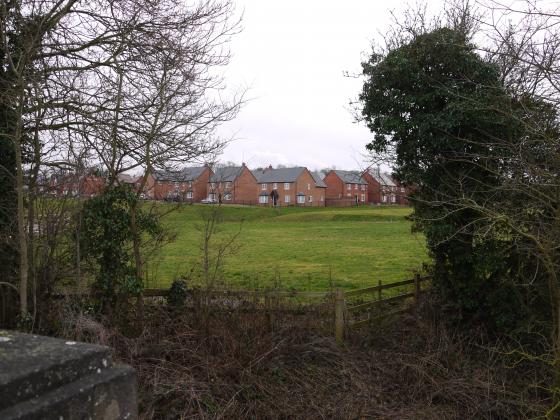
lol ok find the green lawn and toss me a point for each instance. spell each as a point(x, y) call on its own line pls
point(298, 248)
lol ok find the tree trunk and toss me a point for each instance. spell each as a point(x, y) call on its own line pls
point(22, 236)
point(137, 262)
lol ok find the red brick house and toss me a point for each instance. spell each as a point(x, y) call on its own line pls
point(188, 184)
point(233, 185)
point(373, 187)
point(347, 187)
point(383, 189)
point(75, 185)
point(289, 187)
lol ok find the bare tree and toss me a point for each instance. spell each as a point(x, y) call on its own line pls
point(124, 84)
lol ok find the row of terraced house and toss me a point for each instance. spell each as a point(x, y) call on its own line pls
point(268, 186)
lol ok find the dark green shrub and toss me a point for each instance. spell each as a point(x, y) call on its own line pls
point(177, 294)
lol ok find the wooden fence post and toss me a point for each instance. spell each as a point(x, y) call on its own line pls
point(339, 316)
point(417, 293)
point(379, 310)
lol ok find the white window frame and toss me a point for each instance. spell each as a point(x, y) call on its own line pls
point(310, 199)
point(213, 185)
point(287, 199)
point(300, 199)
point(355, 186)
point(308, 187)
point(322, 198)
point(286, 186)
point(227, 196)
point(275, 186)
point(228, 184)
point(264, 187)
point(263, 199)
point(348, 186)
point(363, 198)
point(363, 187)
point(189, 195)
point(190, 184)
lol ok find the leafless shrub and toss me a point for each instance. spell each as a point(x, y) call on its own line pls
point(400, 368)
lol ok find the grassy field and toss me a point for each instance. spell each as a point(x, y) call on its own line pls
point(297, 248)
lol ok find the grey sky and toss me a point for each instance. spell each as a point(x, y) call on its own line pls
point(292, 55)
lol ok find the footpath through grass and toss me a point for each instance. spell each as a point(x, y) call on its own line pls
point(297, 248)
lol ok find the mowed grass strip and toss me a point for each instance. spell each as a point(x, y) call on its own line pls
point(297, 248)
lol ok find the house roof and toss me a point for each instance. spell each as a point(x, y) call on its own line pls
point(384, 178)
point(185, 174)
point(126, 178)
point(350, 177)
point(318, 180)
point(268, 175)
point(226, 174)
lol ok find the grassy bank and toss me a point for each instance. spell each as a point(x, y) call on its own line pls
point(297, 248)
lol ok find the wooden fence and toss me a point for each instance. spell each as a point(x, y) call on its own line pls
point(352, 308)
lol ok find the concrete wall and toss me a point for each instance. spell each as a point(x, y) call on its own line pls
point(49, 378)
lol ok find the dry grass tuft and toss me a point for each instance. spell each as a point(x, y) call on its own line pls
point(242, 364)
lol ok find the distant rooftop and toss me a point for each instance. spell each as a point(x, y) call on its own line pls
point(318, 179)
point(226, 174)
point(384, 178)
point(182, 175)
point(268, 175)
point(350, 177)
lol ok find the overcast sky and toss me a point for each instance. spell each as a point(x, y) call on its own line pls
point(292, 56)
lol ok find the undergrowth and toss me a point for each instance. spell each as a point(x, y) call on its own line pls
point(247, 363)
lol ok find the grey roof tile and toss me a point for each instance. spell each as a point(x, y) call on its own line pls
point(185, 174)
point(267, 175)
point(384, 178)
point(226, 174)
point(318, 180)
point(350, 177)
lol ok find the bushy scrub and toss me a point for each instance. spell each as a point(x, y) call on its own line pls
point(108, 235)
point(442, 114)
point(177, 294)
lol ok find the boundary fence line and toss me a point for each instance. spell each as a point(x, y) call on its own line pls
point(352, 308)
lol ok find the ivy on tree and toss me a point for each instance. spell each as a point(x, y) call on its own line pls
point(442, 112)
point(107, 239)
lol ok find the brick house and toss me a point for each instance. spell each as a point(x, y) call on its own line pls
point(374, 187)
point(188, 184)
point(346, 186)
point(383, 189)
point(75, 185)
point(320, 186)
point(289, 187)
point(127, 179)
point(402, 193)
point(233, 185)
